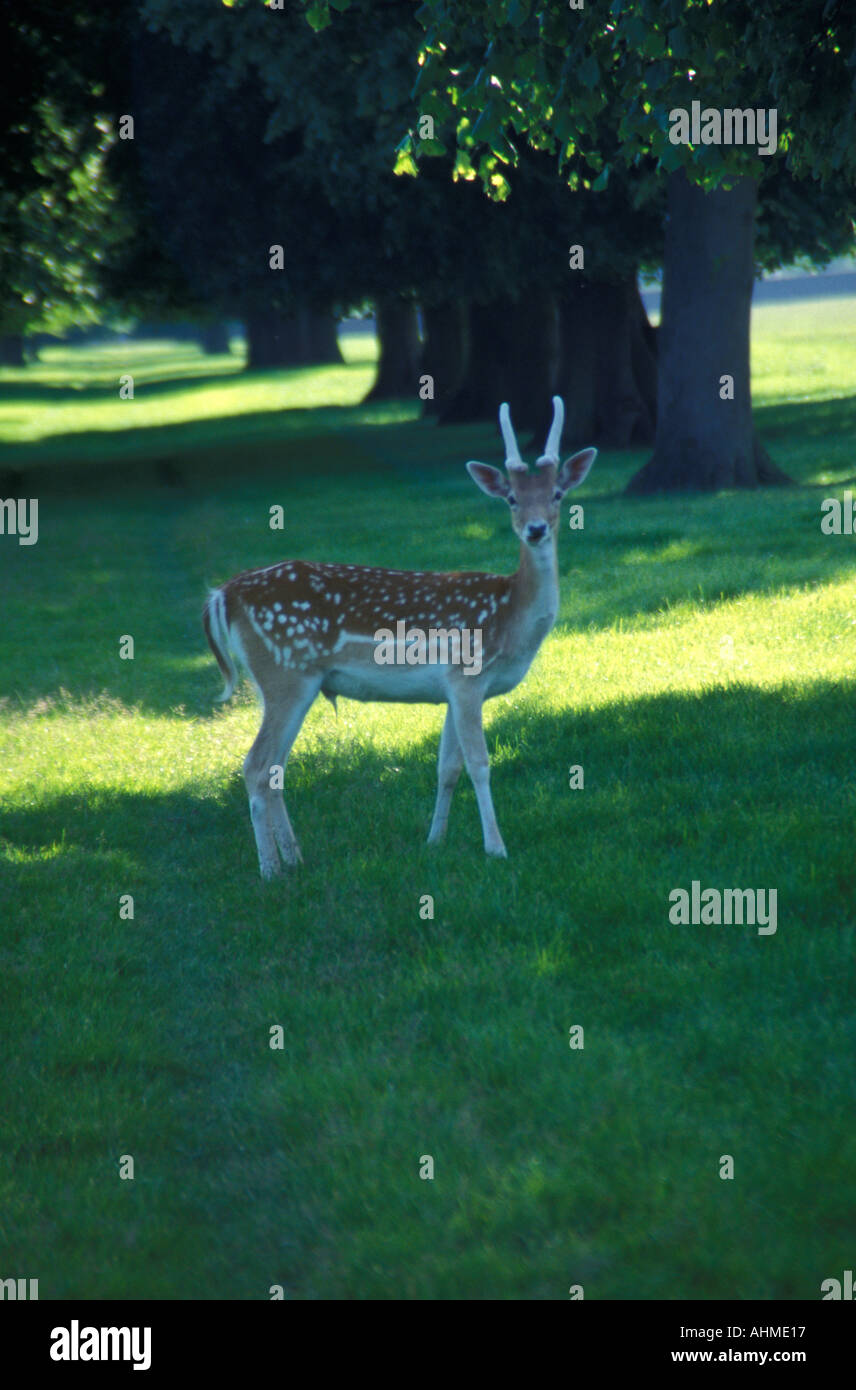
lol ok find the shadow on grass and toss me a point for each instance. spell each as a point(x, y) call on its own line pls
point(47, 394)
point(153, 1036)
point(806, 419)
point(106, 460)
point(729, 784)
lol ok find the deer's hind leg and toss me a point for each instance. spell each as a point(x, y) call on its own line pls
point(285, 711)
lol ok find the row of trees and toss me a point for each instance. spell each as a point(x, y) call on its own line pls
point(505, 166)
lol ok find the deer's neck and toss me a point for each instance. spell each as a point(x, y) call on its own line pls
point(535, 589)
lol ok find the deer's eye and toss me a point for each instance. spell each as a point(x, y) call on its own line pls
point(557, 495)
point(511, 500)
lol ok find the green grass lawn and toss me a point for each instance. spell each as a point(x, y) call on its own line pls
point(702, 672)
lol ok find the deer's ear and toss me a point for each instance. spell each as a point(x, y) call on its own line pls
point(574, 470)
point(490, 480)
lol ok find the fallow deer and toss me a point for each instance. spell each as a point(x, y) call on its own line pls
point(301, 628)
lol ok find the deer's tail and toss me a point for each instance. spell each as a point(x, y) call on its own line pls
point(215, 621)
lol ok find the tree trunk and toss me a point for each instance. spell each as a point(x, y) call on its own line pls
point(400, 349)
point(644, 355)
point(272, 341)
point(607, 373)
point(320, 338)
point(445, 352)
point(514, 356)
point(306, 338)
point(705, 442)
point(12, 350)
point(214, 338)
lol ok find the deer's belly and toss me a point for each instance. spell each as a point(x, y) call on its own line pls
point(396, 683)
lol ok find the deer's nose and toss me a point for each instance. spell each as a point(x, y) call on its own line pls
point(536, 530)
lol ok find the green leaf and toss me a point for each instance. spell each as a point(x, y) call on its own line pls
point(488, 125)
point(318, 15)
point(404, 161)
point(671, 157)
point(635, 32)
point(405, 164)
point(601, 181)
point(563, 124)
point(588, 71)
point(463, 167)
point(679, 45)
point(656, 75)
point(434, 104)
point(503, 149)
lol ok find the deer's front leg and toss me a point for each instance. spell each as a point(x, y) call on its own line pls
point(449, 764)
point(466, 709)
